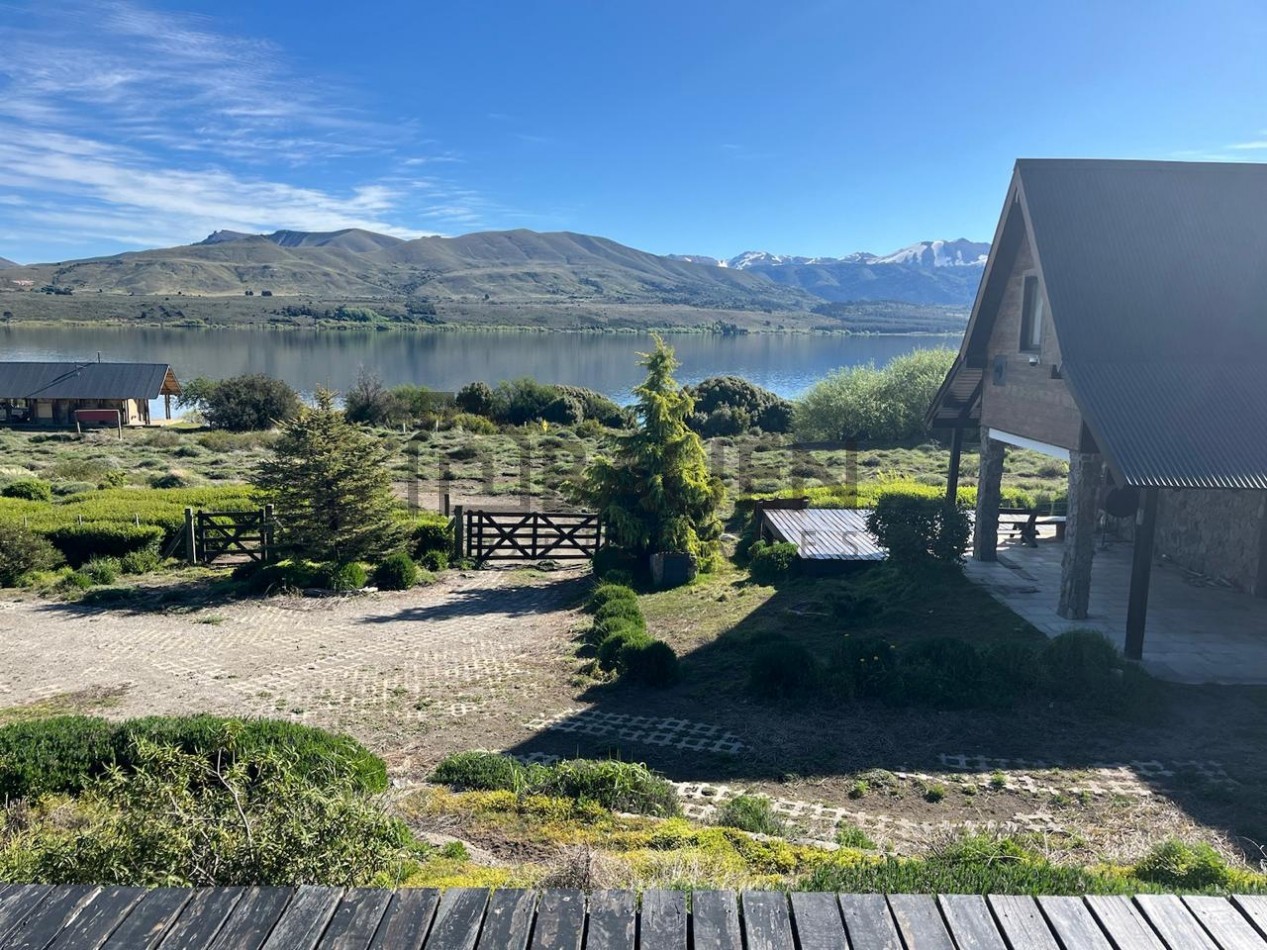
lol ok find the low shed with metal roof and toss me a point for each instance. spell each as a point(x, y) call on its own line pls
point(67, 393)
point(1121, 326)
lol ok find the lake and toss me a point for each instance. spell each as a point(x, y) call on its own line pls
point(787, 363)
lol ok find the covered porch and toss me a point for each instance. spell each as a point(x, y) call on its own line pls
point(1197, 630)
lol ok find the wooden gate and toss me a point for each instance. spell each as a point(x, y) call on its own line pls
point(215, 534)
point(531, 535)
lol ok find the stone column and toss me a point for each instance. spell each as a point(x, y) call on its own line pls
point(1086, 472)
point(985, 533)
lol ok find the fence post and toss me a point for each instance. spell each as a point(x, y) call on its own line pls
point(266, 534)
point(459, 536)
point(191, 549)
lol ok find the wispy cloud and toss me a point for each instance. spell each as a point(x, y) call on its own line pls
point(155, 127)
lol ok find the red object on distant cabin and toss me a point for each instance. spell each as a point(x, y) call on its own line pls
point(106, 416)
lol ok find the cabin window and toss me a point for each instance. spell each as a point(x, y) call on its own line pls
point(1031, 315)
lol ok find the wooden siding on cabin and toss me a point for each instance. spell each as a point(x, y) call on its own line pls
point(1030, 402)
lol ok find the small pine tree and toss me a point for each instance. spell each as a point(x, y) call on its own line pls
point(332, 488)
point(656, 493)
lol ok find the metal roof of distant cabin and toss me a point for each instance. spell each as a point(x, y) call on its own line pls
point(86, 380)
point(1156, 276)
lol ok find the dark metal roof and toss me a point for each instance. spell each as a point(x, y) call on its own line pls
point(1156, 273)
point(86, 380)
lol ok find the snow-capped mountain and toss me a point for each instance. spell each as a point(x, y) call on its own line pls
point(930, 272)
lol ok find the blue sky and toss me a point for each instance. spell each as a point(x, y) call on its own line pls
point(713, 128)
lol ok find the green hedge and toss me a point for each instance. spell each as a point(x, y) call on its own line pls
point(64, 753)
point(80, 543)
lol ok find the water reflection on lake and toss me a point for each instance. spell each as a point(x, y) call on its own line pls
point(445, 360)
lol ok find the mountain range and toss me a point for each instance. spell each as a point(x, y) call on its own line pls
point(5, 262)
point(518, 267)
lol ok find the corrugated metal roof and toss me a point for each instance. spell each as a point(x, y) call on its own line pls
point(1156, 273)
point(1177, 424)
point(836, 534)
point(22, 380)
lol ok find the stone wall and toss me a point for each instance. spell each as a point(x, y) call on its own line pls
point(1219, 533)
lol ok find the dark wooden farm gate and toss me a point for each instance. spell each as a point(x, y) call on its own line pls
point(529, 535)
point(210, 535)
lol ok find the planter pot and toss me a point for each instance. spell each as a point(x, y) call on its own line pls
point(672, 569)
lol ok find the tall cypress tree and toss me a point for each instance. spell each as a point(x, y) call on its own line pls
point(331, 486)
point(655, 492)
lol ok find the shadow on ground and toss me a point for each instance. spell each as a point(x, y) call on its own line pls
point(710, 728)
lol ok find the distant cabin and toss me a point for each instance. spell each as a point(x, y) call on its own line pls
point(66, 394)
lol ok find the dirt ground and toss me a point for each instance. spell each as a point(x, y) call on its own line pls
point(487, 659)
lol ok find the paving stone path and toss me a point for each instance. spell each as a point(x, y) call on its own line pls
point(345, 662)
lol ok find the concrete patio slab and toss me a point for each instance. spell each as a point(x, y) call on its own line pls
point(1197, 632)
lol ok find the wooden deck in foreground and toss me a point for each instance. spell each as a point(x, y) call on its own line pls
point(236, 918)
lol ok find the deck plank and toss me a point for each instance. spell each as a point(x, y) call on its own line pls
point(869, 922)
point(970, 922)
point(145, 926)
point(1022, 922)
point(18, 902)
point(767, 920)
point(201, 919)
point(253, 918)
point(715, 921)
point(1124, 923)
point(920, 923)
point(663, 921)
point(1254, 907)
point(613, 921)
point(356, 919)
point(1227, 925)
point(99, 919)
point(1073, 923)
point(560, 921)
point(305, 918)
point(407, 920)
point(59, 909)
point(458, 918)
point(508, 920)
point(1171, 919)
point(819, 925)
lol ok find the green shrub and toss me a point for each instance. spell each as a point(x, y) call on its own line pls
point(170, 480)
point(484, 771)
point(752, 813)
point(178, 819)
point(620, 608)
point(851, 836)
point(80, 543)
point(611, 559)
point(430, 533)
point(242, 403)
point(1079, 664)
point(943, 672)
point(74, 581)
point(604, 593)
point(475, 425)
point(619, 786)
point(396, 572)
point(1011, 670)
point(102, 570)
point(435, 560)
point(864, 667)
point(625, 626)
point(23, 551)
point(287, 575)
point(650, 663)
point(772, 562)
point(140, 562)
point(30, 489)
point(611, 652)
point(781, 669)
point(343, 577)
point(1176, 864)
point(915, 528)
point(64, 753)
